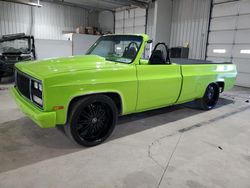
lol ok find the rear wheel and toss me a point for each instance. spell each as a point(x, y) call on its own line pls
point(92, 120)
point(210, 98)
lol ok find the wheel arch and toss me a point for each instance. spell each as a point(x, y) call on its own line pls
point(115, 96)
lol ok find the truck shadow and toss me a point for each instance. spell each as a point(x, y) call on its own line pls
point(134, 123)
point(23, 143)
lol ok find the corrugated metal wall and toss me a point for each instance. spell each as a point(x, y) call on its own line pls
point(48, 21)
point(190, 25)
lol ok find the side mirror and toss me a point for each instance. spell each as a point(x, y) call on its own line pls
point(149, 41)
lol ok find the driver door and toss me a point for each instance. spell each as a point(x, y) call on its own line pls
point(158, 85)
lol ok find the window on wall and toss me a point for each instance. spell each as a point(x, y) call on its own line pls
point(130, 21)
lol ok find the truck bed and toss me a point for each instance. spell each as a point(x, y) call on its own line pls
point(182, 61)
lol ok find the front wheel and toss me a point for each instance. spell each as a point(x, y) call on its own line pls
point(210, 98)
point(92, 120)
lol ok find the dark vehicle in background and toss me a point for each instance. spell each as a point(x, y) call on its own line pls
point(15, 48)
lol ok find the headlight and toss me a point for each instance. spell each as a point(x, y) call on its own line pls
point(36, 92)
point(37, 100)
point(37, 86)
point(40, 87)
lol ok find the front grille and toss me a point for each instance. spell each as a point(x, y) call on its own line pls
point(23, 84)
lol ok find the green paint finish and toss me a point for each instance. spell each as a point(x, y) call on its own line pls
point(43, 119)
point(140, 86)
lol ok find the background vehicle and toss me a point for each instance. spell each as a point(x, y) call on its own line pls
point(87, 93)
point(15, 48)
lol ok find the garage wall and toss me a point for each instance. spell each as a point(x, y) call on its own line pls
point(46, 48)
point(229, 37)
point(130, 21)
point(163, 17)
point(189, 25)
point(47, 22)
point(106, 21)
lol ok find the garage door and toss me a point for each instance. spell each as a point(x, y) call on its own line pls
point(130, 21)
point(229, 36)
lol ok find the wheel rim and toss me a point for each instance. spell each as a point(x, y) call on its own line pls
point(93, 122)
point(211, 96)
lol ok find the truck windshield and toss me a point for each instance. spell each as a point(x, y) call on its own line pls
point(14, 46)
point(119, 48)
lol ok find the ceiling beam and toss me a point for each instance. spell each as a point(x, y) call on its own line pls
point(30, 3)
point(87, 7)
point(135, 3)
point(127, 3)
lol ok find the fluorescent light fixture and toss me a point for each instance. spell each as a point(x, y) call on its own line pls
point(26, 2)
point(118, 48)
point(245, 51)
point(219, 51)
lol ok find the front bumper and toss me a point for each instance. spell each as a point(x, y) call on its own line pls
point(43, 119)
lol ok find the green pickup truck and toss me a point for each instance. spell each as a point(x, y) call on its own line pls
point(85, 94)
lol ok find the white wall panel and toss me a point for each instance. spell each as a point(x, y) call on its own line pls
point(140, 21)
point(243, 79)
point(82, 42)
point(129, 22)
point(242, 64)
point(139, 12)
point(242, 37)
point(189, 25)
point(139, 29)
point(118, 30)
point(223, 23)
point(224, 37)
point(225, 9)
point(243, 22)
point(244, 7)
point(53, 48)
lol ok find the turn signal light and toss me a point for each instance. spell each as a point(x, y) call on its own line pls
point(58, 107)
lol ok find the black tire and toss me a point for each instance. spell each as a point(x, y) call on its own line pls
point(91, 121)
point(210, 98)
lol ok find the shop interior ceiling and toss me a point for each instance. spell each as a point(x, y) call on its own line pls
point(100, 5)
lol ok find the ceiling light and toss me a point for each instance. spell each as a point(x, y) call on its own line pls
point(219, 51)
point(245, 51)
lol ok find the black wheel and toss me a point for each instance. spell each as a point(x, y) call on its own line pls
point(92, 120)
point(210, 97)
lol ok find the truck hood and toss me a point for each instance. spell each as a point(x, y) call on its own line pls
point(49, 67)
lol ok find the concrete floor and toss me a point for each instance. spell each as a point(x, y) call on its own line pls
point(171, 147)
